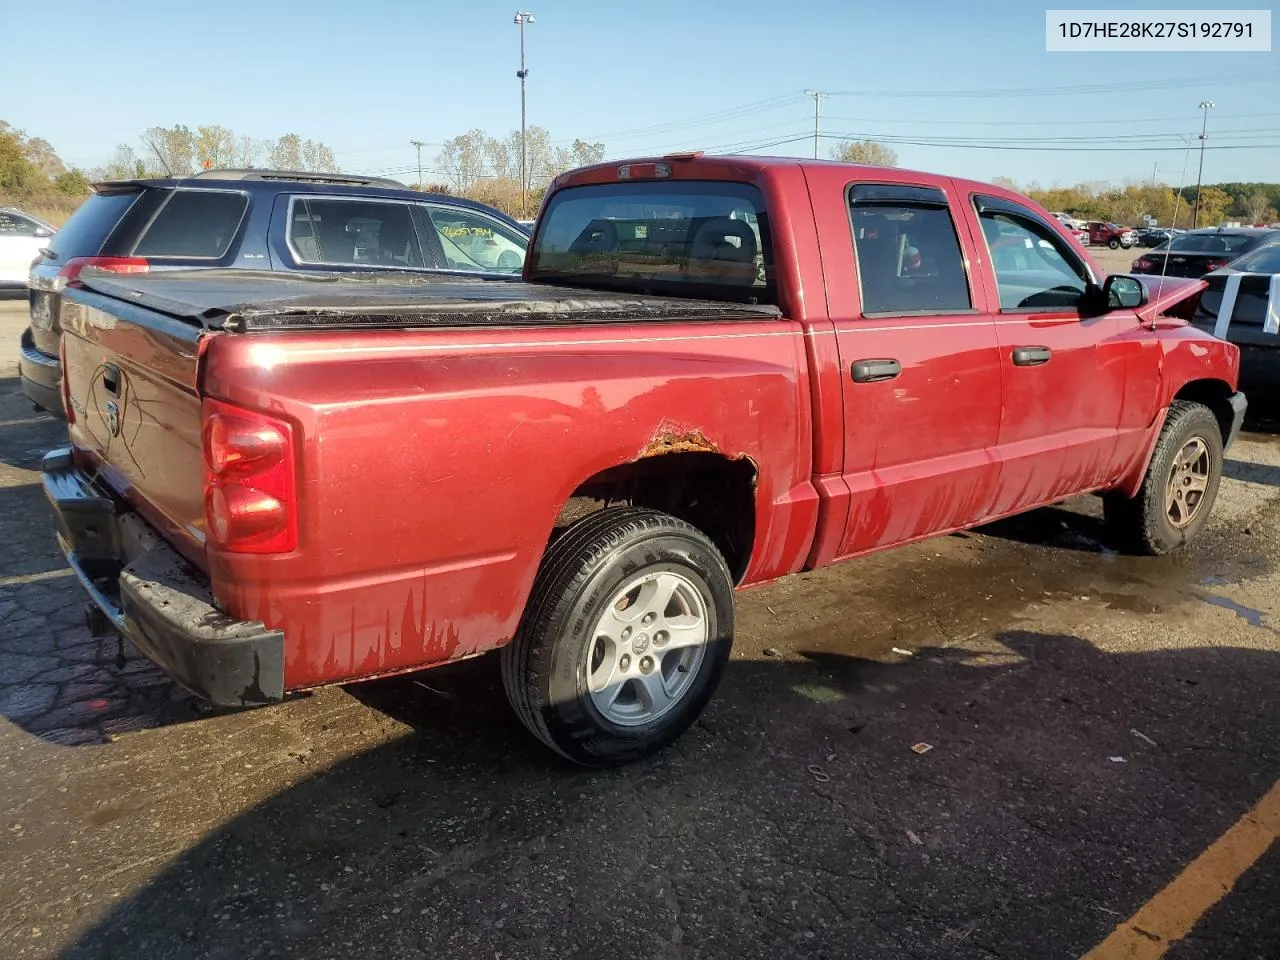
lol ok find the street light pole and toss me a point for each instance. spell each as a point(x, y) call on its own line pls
point(419, 144)
point(1206, 106)
point(523, 17)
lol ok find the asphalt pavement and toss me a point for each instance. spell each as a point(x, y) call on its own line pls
point(1096, 751)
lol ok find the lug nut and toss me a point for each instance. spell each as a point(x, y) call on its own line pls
point(626, 633)
point(660, 638)
point(649, 618)
point(625, 662)
point(646, 664)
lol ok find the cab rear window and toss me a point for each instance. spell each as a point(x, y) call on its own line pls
point(692, 238)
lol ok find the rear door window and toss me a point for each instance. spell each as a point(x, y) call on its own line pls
point(87, 229)
point(194, 225)
point(356, 233)
point(909, 259)
point(471, 241)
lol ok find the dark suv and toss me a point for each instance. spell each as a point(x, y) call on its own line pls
point(257, 220)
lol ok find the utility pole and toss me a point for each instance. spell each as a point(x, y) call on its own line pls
point(817, 114)
point(1155, 170)
point(419, 144)
point(1206, 106)
point(523, 17)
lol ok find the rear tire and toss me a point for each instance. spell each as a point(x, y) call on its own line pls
point(1177, 494)
point(603, 669)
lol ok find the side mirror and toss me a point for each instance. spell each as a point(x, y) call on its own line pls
point(43, 232)
point(1122, 292)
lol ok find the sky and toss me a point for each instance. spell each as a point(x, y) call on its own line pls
point(958, 88)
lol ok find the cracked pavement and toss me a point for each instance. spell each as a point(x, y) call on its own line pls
point(1096, 722)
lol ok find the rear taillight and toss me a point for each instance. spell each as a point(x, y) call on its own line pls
point(70, 271)
point(250, 499)
point(1215, 264)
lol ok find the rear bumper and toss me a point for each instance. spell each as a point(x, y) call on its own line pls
point(41, 376)
point(155, 599)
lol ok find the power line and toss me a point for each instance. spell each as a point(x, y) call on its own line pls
point(1076, 90)
point(1057, 122)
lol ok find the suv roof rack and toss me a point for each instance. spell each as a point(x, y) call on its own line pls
point(341, 178)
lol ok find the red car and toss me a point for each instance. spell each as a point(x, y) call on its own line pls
point(716, 372)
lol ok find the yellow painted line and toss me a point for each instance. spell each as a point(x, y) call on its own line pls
point(34, 577)
point(1169, 916)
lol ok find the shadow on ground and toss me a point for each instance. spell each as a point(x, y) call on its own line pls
point(794, 819)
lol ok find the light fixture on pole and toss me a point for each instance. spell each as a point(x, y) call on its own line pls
point(523, 17)
point(419, 144)
point(1206, 106)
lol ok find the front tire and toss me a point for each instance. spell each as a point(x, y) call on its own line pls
point(625, 637)
point(1177, 494)
point(1113, 243)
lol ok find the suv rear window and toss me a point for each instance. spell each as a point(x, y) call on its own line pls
point(1229, 243)
point(195, 224)
point(689, 237)
point(88, 228)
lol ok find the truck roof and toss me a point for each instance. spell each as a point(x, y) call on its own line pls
point(751, 167)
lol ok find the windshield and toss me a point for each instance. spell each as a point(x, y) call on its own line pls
point(1265, 260)
point(691, 238)
point(1232, 244)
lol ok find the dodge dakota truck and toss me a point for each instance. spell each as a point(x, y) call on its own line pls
point(714, 372)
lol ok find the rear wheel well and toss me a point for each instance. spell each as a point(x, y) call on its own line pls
point(1214, 394)
point(712, 492)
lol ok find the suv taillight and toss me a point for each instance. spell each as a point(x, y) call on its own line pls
point(70, 271)
point(250, 499)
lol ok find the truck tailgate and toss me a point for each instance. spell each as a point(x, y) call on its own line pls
point(130, 376)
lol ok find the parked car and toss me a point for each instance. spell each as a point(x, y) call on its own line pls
point(1198, 252)
point(1070, 222)
point(1154, 236)
point(1259, 349)
point(1080, 235)
point(21, 237)
point(1107, 234)
point(277, 482)
point(257, 220)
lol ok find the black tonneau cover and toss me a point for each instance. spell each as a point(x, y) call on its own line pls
point(246, 300)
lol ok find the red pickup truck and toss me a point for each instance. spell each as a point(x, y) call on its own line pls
point(714, 372)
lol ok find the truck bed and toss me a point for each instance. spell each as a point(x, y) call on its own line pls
point(244, 301)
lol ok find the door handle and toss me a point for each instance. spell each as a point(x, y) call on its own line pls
point(111, 378)
point(871, 371)
point(1031, 356)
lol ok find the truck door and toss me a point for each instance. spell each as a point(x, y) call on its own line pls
point(1062, 371)
point(919, 361)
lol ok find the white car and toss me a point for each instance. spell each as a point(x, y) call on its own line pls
point(1070, 222)
point(21, 237)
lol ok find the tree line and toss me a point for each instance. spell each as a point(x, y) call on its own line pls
point(1248, 203)
point(34, 178)
point(486, 168)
